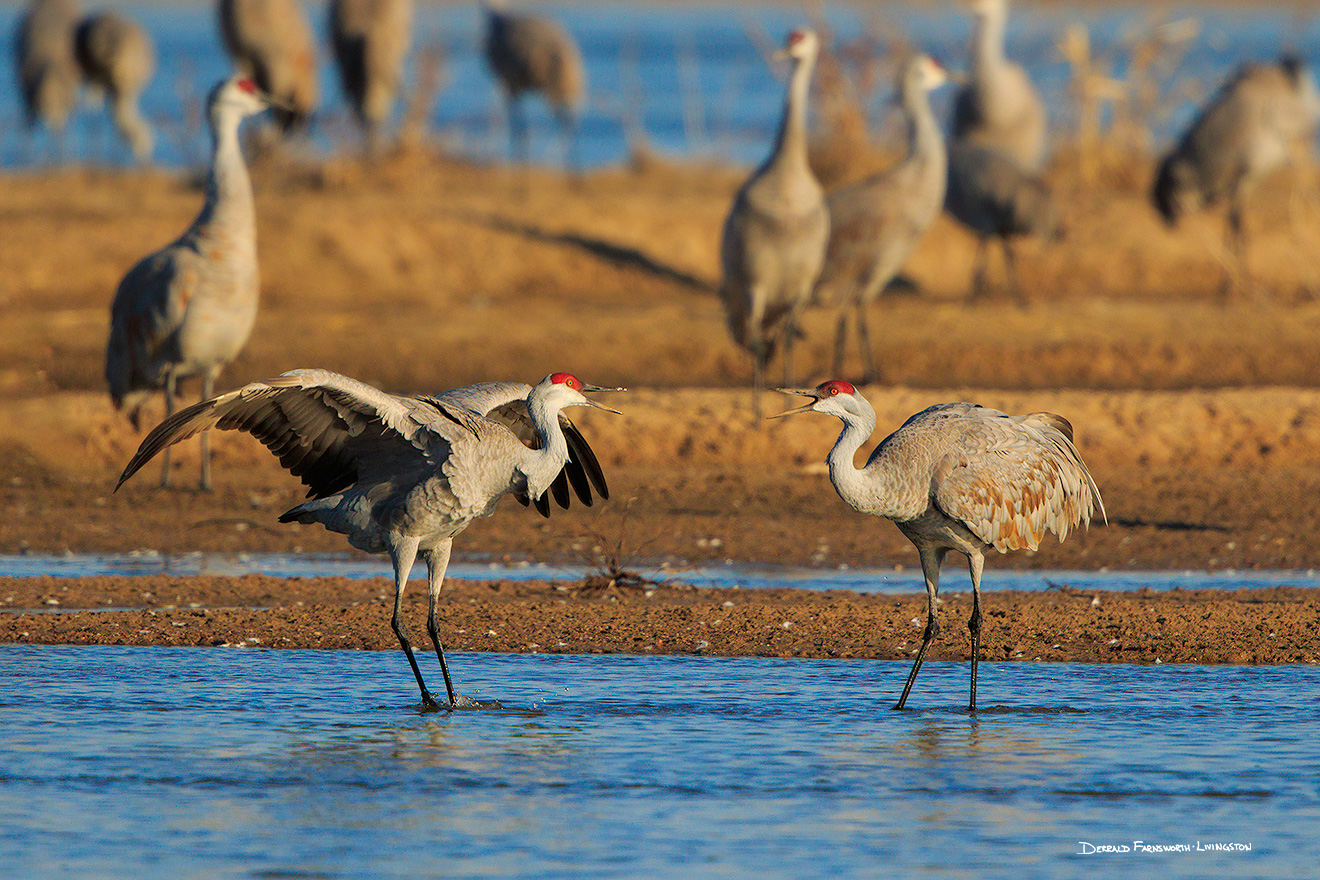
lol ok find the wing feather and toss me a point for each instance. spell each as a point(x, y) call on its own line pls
point(327, 429)
point(1014, 478)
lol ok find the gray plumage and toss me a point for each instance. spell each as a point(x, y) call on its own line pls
point(997, 199)
point(876, 222)
point(370, 40)
point(999, 107)
point(47, 70)
point(187, 309)
point(959, 477)
point(116, 55)
point(774, 238)
point(405, 475)
point(1247, 130)
point(530, 53)
point(271, 42)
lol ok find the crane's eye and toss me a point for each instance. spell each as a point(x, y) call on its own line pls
point(834, 391)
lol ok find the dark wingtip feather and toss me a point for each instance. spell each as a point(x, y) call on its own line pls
point(578, 444)
point(559, 488)
point(543, 505)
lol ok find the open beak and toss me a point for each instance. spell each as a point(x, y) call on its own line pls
point(806, 407)
point(591, 402)
point(276, 103)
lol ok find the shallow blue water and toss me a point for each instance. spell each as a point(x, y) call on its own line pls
point(151, 762)
point(689, 76)
point(908, 580)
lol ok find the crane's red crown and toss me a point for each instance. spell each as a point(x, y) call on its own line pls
point(835, 387)
point(795, 37)
point(247, 85)
point(566, 379)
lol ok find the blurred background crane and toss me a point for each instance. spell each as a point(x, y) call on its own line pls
point(117, 56)
point(1252, 126)
point(370, 39)
point(271, 43)
point(876, 222)
point(188, 309)
point(530, 53)
point(46, 67)
point(775, 234)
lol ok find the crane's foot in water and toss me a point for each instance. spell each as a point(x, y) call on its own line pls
point(464, 703)
point(431, 703)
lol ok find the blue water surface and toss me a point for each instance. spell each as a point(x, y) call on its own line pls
point(687, 78)
point(224, 762)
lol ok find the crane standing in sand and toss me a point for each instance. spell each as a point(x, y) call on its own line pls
point(774, 238)
point(1247, 130)
point(47, 69)
point(876, 222)
point(188, 309)
point(999, 107)
point(991, 194)
point(529, 53)
point(996, 152)
point(370, 40)
point(271, 43)
point(960, 477)
point(117, 55)
point(405, 475)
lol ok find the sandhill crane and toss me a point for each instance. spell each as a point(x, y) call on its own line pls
point(187, 309)
point(774, 238)
point(999, 107)
point(271, 43)
point(958, 476)
point(405, 475)
point(117, 55)
point(370, 40)
point(530, 53)
point(996, 198)
point(876, 222)
point(47, 69)
point(1248, 129)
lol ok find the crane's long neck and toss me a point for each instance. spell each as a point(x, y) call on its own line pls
point(543, 465)
point(791, 141)
point(873, 489)
point(924, 137)
point(229, 206)
point(988, 41)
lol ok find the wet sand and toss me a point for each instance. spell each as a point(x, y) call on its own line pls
point(598, 615)
point(1200, 421)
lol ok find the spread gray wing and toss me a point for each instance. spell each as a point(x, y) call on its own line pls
point(326, 429)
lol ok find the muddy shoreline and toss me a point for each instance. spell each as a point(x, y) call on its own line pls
point(1252, 626)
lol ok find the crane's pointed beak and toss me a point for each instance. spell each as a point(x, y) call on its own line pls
point(591, 402)
point(806, 407)
point(276, 103)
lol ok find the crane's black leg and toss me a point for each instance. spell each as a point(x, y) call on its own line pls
point(790, 335)
point(1010, 264)
point(517, 130)
point(870, 373)
point(979, 282)
point(975, 563)
point(841, 342)
point(171, 388)
point(930, 566)
point(437, 561)
point(402, 555)
point(1237, 242)
point(758, 378)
